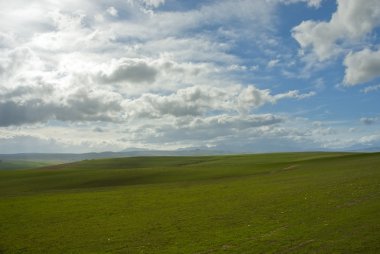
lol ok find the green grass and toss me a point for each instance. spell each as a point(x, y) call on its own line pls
point(8, 165)
point(269, 203)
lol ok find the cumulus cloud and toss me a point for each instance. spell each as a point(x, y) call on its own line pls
point(41, 102)
point(132, 70)
point(143, 74)
point(196, 101)
point(361, 67)
point(27, 105)
point(188, 101)
point(253, 97)
point(352, 21)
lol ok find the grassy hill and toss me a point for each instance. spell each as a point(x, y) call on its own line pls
point(19, 164)
point(268, 203)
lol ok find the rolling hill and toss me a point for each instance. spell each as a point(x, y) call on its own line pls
point(264, 203)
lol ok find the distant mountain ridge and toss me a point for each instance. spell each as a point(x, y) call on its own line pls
point(71, 157)
point(366, 150)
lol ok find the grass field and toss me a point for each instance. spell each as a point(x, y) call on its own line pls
point(8, 165)
point(269, 203)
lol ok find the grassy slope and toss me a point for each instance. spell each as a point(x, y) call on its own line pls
point(272, 203)
point(7, 165)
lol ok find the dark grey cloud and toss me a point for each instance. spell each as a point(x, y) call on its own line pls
point(369, 120)
point(12, 113)
point(81, 105)
point(130, 71)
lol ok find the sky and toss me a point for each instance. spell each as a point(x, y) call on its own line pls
point(233, 75)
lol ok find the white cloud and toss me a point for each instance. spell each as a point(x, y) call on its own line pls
point(352, 21)
point(112, 11)
point(370, 89)
point(361, 67)
point(253, 97)
point(272, 63)
point(6, 40)
point(371, 140)
point(212, 129)
point(314, 3)
point(197, 101)
point(310, 3)
point(18, 62)
point(154, 3)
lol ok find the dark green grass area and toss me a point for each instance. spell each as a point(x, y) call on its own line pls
point(8, 165)
point(269, 203)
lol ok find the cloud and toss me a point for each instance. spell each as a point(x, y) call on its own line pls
point(24, 143)
point(53, 142)
point(160, 74)
point(237, 122)
point(371, 140)
point(15, 62)
point(131, 70)
point(310, 3)
point(273, 63)
point(154, 3)
point(6, 40)
point(208, 129)
point(253, 97)
point(361, 67)
point(370, 89)
point(194, 49)
point(112, 11)
point(369, 120)
point(352, 21)
point(199, 100)
point(191, 101)
point(19, 106)
point(314, 3)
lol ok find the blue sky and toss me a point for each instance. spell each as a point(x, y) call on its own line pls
point(241, 76)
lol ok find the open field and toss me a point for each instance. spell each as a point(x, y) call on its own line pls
point(268, 203)
point(19, 164)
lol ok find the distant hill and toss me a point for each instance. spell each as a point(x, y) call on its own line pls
point(71, 157)
point(364, 149)
point(132, 152)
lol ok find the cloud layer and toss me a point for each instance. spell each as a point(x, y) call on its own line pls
point(108, 75)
